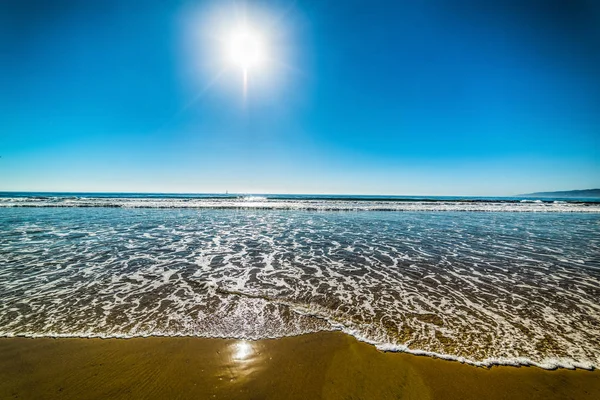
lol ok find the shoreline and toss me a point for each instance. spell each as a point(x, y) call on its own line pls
point(554, 364)
point(328, 364)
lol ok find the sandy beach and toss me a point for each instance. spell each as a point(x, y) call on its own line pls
point(328, 365)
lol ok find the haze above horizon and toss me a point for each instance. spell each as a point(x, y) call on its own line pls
point(427, 98)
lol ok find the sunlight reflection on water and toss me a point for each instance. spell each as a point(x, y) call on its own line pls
point(243, 349)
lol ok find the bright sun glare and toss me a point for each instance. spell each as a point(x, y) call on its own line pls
point(237, 44)
point(246, 49)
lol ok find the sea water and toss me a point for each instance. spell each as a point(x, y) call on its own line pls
point(484, 281)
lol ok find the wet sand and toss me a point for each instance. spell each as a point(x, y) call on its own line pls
point(328, 365)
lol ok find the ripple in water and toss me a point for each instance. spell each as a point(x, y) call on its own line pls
point(484, 288)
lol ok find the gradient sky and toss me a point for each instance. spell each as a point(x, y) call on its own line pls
point(368, 97)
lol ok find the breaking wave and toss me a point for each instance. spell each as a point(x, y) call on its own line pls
point(306, 203)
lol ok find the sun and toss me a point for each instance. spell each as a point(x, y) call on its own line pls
point(246, 49)
point(239, 46)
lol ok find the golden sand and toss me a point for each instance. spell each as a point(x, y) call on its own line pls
point(328, 365)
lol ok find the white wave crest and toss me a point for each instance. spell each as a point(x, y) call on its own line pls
point(259, 202)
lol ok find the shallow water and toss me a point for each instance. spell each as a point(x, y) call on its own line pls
point(500, 287)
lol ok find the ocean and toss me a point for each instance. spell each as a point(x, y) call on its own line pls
point(480, 280)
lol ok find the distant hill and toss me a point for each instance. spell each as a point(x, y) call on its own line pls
point(568, 193)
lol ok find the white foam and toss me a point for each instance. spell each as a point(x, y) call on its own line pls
point(259, 202)
point(254, 198)
point(477, 288)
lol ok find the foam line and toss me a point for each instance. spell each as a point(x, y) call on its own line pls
point(264, 203)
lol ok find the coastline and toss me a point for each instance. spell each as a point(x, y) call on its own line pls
point(330, 365)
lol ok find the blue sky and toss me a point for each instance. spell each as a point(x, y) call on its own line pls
point(403, 97)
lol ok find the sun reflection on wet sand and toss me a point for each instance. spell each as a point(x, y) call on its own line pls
point(244, 360)
point(243, 350)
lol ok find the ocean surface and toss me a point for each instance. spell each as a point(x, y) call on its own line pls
point(480, 280)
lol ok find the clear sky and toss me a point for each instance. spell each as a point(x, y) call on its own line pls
point(369, 97)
